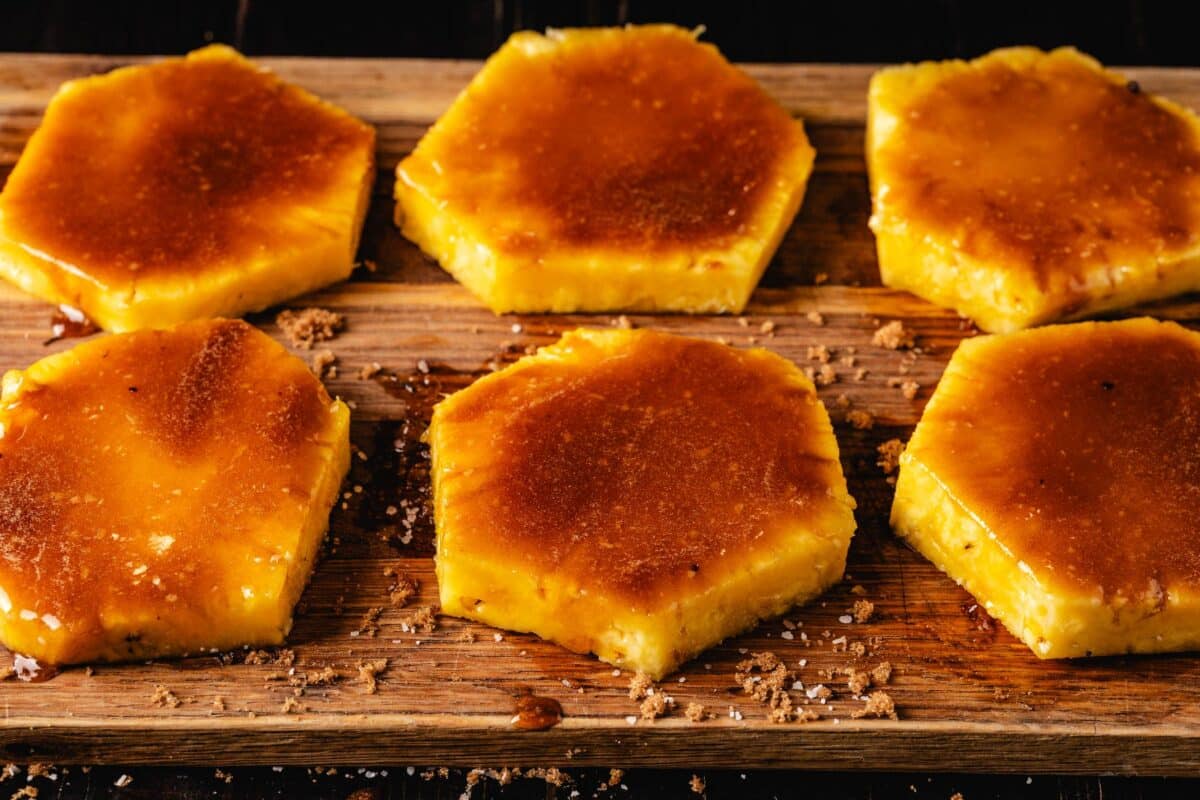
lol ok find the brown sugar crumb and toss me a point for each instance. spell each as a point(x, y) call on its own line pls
point(697, 784)
point(889, 457)
point(308, 326)
point(815, 317)
point(640, 686)
point(257, 657)
point(860, 375)
point(696, 712)
point(321, 677)
point(623, 323)
point(39, 769)
point(907, 388)
point(893, 336)
point(218, 703)
point(164, 697)
point(765, 678)
point(401, 590)
point(878, 705)
point(819, 353)
point(882, 673)
point(824, 376)
point(860, 420)
point(24, 791)
point(368, 673)
point(858, 589)
point(369, 626)
point(9, 770)
point(863, 610)
point(323, 364)
point(857, 649)
point(369, 371)
point(423, 620)
point(858, 681)
point(615, 776)
point(656, 705)
point(291, 706)
point(767, 328)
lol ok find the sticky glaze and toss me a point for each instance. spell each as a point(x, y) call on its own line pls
point(640, 469)
point(636, 137)
point(150, 472)
point(1052, 169)
point(1079, 447)
point(177, 169)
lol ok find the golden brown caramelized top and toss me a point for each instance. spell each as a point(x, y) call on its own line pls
point(1041, 162)
point(177, 167)
point(631, 137)
point(1079, 447)
point(137, 470)
point(641, 463)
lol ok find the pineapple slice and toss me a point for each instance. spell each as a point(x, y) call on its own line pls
point(606, 169)
point(1025, 187)
point(1055, 475)
point(162, 492)
point(189, 188)
point(637, 495)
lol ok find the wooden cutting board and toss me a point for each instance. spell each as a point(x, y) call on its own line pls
point(970, 698)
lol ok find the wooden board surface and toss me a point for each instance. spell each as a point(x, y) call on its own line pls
point(970, 698)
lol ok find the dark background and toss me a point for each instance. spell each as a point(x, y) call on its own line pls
point(1126, 33)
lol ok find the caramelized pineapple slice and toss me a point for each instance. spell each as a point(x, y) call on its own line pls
point(162, 492)
point(185, 189)
point(637, 495)
point(1055, 475)
point(1026, 187)
point(606, 169)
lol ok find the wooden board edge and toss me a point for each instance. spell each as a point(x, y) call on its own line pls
point(447, 740)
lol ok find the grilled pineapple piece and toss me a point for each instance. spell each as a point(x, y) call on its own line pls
point(188, 188)
point(1026, 187)
point(1055, 475)
point(162, 492)
point(637, 495)
point(606, 169)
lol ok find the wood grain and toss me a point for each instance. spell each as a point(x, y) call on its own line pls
point(970, 697)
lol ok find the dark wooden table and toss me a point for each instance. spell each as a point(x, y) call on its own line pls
point(371, 784)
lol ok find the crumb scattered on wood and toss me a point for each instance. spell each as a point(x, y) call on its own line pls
point(878, 705)
point(882, 673)
point(860, 420)
point(893, 336)
point(402, 588)
point(369, 371)
point(697, 784)
point(889, 457)
point(164, 697)
point(422, 620)
point(819, 352)
point(324, 364)
point(640, 686)
point(863, 610)
point(656, 705)
point(815, 317)
point(291, 706)
point(369, 671)
point(696, 712)
point(369, 625)
point(908, 388)
point(766, 678)
point(307, 326)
